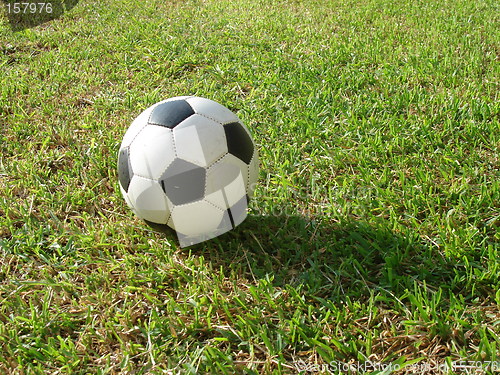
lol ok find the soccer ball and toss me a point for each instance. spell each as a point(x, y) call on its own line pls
point(189, 164)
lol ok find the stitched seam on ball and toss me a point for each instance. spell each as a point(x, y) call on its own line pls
point(145, 177)
point(223, 155)
point(175, 157)
point(213, 204)
point(136, 134)
point(248, 169)
point(173, 142)
point(198, 201)
point(206, 171)
point(219, 159)
point(206, 178)
point(248, 176)
point(210, 118)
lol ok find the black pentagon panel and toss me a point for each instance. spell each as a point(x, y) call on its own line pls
point(170, 114)
point(124, 168)
point(183, 182)
point(239, 142)
point(163, 228)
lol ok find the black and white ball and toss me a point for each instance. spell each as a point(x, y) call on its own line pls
point(190, 164)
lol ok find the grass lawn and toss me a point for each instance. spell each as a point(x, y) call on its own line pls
point(375, 231)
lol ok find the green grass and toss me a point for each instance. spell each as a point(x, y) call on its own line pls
point(375, 230)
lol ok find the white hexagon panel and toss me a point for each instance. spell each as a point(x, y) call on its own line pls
point(198, 222)
point(200, 140)
point(137, 125)
point(149, 200)
point(153, 150)
point(189, 164)
point(211, 109)
point(226, 182)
